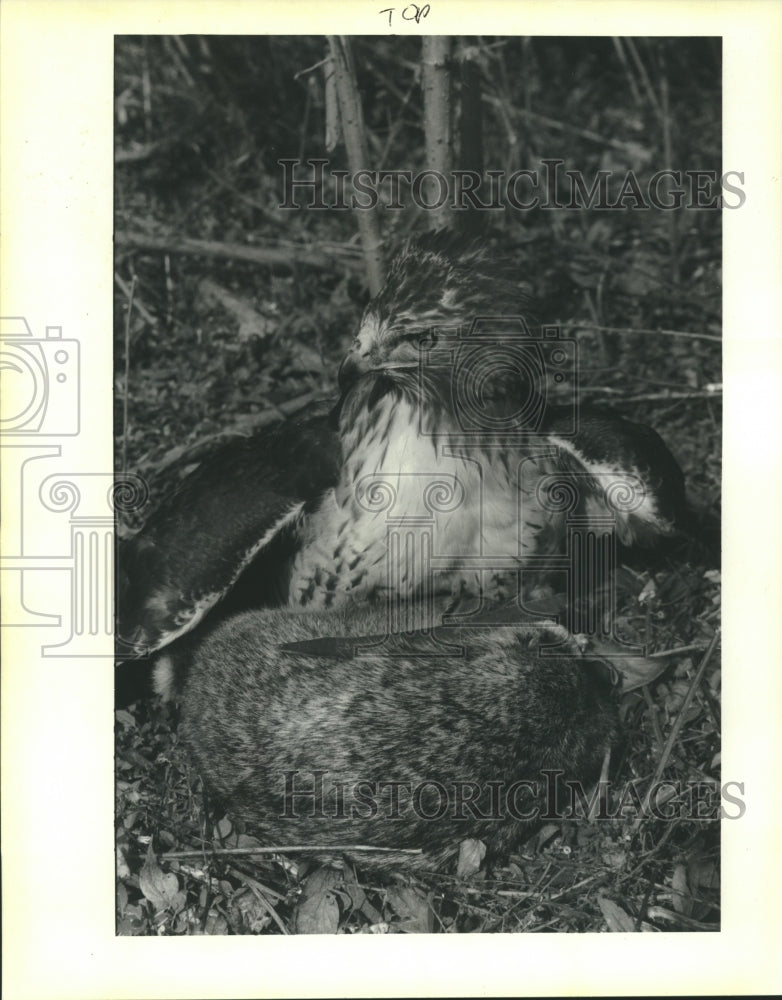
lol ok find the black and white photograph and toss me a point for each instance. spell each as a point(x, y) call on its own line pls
point(385, 467)
point(418, 386)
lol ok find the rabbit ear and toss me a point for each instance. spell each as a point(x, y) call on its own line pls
point(605, 671)
point(636, 671)
point(629, 671)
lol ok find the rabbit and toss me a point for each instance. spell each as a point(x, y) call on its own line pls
point(389, 750)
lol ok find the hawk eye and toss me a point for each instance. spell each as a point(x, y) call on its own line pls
point(420, 338)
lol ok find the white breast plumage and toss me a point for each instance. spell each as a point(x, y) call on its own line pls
point(412, 510)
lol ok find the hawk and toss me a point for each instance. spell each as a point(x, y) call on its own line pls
point(446, 465)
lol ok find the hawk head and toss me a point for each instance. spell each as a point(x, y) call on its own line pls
point(438, 285)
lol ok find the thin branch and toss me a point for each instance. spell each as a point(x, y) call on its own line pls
point(259, 891)
point(660, 913)
point(268, 215)
point(668, 164)
point(644, 76)
point(296, 849)
point(397, 126)
point(137, 154)
point(628, 72)
point(562, 126)
point(128, 314)
point(688, 334)
point(310, 69)
point(338, 256)
point(675, 652)
point(652, 397)
point(677, 725)
point(124, 287)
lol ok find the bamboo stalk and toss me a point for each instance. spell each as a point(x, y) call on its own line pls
point(354, 134)
point(438, 132)
point(471, 122)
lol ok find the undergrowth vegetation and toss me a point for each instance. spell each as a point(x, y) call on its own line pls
point(210, 344)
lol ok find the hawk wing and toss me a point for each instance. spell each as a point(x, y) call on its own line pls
point(226, 535)
point(623, 470)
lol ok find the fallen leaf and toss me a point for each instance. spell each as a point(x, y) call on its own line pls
point(161, 889)
point(414, 909)
point(617, 919)
point(215, 923)
point(129, 820)
point(251, 323)
point(704, 879)
point(545, 834)
point(122, 866)
point(356, 898)
point(222, 829)
point(614, 857)
point(247, 913)
point(471, 855)
point(649, 591)
point(318, 912)
point(680, 896)
point(245, 840)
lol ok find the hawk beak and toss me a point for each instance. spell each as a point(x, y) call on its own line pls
point(350, 371)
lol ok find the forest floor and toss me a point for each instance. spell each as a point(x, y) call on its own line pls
point(209, 346)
